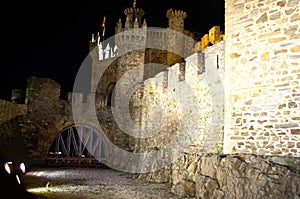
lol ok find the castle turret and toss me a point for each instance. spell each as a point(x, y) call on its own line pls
point(175, 41)
point(176, 19)
point(132, 14)
point(129, 38)
point(133, 19)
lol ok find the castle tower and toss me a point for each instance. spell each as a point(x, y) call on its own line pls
point(133, 19)
point(38, 95)
point(134, 14)
point(129, 32)
point(176, 19)
point(175, 41)
point(128, 37)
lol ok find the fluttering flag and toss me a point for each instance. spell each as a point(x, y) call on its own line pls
point(133, 10)
point(103, 26)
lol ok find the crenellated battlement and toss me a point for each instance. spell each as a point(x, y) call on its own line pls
point(134, 34)
point(139, 12)
point(176, 14)
point(190, 84)
point(214, 36)
point(107, 52)
point(176, 19)
point(135, 38)
point(133, 17)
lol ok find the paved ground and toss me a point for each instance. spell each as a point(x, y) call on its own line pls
point(91, 183)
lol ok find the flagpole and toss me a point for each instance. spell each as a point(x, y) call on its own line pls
point(133, 11)
point(103, 27)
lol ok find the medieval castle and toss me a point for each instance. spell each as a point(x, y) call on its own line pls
point(232, 93)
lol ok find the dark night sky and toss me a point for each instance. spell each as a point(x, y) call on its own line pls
point(50, 39)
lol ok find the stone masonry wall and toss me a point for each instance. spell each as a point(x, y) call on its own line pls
point(38, 96)
point(9, 110)
point(244, 176)
point(262, 77)
point(27, 130)
point(187, 99)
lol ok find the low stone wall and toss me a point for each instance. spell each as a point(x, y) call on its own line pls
point(232, 176)
point(237, 176)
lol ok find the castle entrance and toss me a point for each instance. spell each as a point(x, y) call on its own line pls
point(70, 147)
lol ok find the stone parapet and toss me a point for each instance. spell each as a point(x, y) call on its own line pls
point(213, 36)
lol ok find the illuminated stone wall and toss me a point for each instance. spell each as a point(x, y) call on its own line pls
point(186, 99)
point(262, 72)
point(9, 110)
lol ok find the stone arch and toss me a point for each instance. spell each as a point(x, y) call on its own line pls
point(77, 145)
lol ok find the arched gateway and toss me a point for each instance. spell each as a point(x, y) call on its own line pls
point(70, 147)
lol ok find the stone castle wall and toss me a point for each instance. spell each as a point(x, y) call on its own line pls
point(28, 129)
point(9, 110)
point(262, 77)
point(261, 112)
point(186, 99)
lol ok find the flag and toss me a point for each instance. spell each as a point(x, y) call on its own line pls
point(133, 10)
point(103, 26)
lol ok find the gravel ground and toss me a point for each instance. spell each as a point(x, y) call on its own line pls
point(91, 183)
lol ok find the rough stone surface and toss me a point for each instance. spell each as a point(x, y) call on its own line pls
point(233, 176)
